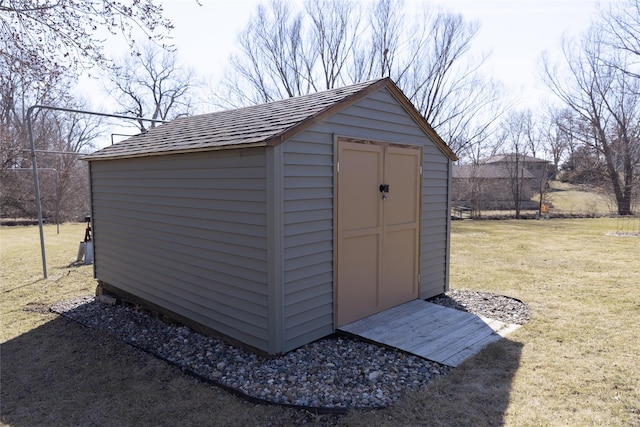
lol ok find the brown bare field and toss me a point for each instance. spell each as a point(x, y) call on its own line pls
point(573, 199)
point(574, 363)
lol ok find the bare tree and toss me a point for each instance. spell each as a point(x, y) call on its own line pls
point(152, 85)
point(542, 141)
point(72, 133)
point(331, 43)
point(275, 62)
point(289, 53)
point(515, 137)
point(334, 26)
point(50, 34)
point(64, 179)
point(621, 27)
point(558, 135)
point(603, 97)
point(378, 50)
point(479, 184)
point(19, 89)
point(473, 188)
point(446, 84)
point(43, 45)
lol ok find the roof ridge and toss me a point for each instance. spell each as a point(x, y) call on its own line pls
point(293, 98)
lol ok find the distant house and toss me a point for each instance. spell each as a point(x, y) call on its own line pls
point(539, 168)
point(490, 184)
point(273, 225)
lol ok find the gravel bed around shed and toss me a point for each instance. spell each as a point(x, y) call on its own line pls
point(498, 307)
point(331, 374)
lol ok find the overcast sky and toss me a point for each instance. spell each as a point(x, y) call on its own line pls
point(515, 32)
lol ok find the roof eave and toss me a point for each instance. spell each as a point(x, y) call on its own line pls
point(311, 121)
point(172, 152)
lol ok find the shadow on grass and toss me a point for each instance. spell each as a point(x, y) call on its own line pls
point(476, 393)
point(62, 373)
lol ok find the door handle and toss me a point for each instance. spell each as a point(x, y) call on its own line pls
point(384, 189)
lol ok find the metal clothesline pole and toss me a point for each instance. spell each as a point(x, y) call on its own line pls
point(34, 161)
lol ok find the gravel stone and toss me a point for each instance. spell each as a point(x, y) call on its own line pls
point(498, 307)
point(335, 372)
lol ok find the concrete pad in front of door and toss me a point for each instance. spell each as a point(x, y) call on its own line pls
point(428, 330)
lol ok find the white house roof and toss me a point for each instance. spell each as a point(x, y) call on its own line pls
point(259, 125)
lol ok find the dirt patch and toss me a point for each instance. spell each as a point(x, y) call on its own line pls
point(36, 307)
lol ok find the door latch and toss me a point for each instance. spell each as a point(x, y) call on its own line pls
point(384, 189)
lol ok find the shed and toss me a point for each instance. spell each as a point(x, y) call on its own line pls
point(273, 225)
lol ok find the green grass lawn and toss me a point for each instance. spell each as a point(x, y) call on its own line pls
point(575, 363)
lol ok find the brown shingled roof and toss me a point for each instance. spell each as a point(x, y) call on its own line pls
point(511, 158)
point(258, 125)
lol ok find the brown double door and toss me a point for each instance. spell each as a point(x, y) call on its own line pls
point(378, 227)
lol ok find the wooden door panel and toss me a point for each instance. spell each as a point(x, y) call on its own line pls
point(377, 238)
point(359, 296)
point(401, 172)
point(401, 216)
point(359, 230)
point(399, 267)
point(360, 169)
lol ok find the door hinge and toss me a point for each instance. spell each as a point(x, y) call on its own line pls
point(337, 166)
point(418, 279)
point(420, 170)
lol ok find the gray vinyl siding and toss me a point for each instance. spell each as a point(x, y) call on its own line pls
point(308, 237)
point(188, 232)
point(434, 248)
point(308, 211)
